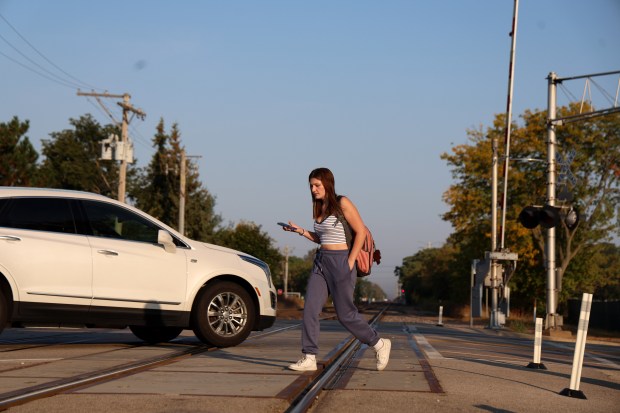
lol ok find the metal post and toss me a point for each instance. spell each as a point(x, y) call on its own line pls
point(494, 283)
point(495, 267)
point(515, 17)
point(471, 293)
point(486, 302)
point(551, 322)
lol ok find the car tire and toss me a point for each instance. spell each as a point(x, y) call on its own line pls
point(4, 311)
point(224, 315)
point(153, 335)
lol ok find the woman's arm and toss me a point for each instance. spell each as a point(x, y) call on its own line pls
point(306, 234)
point(357, 226)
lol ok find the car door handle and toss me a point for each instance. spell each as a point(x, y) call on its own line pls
point(107, 252)
point(10, 238)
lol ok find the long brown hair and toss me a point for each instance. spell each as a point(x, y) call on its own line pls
point(332, 206)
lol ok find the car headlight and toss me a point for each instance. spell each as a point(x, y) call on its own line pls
point(263, 265)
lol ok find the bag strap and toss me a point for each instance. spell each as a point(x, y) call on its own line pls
point(348, 234)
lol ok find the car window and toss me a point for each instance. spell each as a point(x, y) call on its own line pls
point(3, 202)
point(112, 221)
point(41, 214)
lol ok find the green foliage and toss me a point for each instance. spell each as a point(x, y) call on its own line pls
point(156, 190)
point(367, 291)
point(249, 238)
point(72, 159)
point(158, 187)
point(595, 270)
point(596, 194)
point(298, 272)
point(431, 276)
point(72, 162)
point(17, 155)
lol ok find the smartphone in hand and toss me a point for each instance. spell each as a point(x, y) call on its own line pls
point(287, 226)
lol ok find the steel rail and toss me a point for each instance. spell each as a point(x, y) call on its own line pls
point(309, 394)
point(21, 396)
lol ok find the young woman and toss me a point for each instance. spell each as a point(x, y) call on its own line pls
point(333, 271)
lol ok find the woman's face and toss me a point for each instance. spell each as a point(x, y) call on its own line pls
point(317, 188)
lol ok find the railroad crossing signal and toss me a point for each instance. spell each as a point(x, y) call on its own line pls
point(548, 217)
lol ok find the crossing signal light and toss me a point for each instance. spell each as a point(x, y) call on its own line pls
point(529, 217)
point(572, 219)
point(547, 217)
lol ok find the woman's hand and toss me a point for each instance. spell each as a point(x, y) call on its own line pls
point(351, 263)
point(292, 228)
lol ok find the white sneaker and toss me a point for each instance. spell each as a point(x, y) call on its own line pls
point(306, 363)
point(383, 354)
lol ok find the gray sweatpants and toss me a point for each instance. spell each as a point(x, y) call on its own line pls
point(331, 275)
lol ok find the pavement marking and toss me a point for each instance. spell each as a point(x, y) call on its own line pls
point(430, 351)
point(429, 374)
point(590, 356)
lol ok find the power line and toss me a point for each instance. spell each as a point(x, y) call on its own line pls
point(138, 138)
point(49, 75)
point(38, 73)
point(74, 85)
point(36, 64)
point(108, 114)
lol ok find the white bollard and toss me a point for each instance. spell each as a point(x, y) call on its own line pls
point(439, 323)
point(580, 346)
point(536, 364)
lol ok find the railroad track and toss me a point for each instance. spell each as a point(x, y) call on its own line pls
point(342, 355)
point(299, 394)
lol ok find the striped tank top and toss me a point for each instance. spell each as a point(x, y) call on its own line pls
point(330, 231)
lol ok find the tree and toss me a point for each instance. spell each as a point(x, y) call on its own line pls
point(72, 159)
point(18, 158)
point(157, 191)
point(430, 276)
point(298, 272)
point(249, 238)
point(367, 291)
point(596, 194)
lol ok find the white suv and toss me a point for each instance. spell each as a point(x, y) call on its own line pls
point(76, 258)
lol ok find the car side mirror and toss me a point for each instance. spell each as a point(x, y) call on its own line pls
point(165, 239)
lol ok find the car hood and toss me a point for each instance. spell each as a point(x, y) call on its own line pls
point(221, 249)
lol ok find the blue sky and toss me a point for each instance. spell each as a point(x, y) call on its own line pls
point(265, 91)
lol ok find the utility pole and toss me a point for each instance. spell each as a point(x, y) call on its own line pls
point(127, 107)
point(182, 194)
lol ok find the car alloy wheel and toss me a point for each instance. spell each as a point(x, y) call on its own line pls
point(224, 315)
